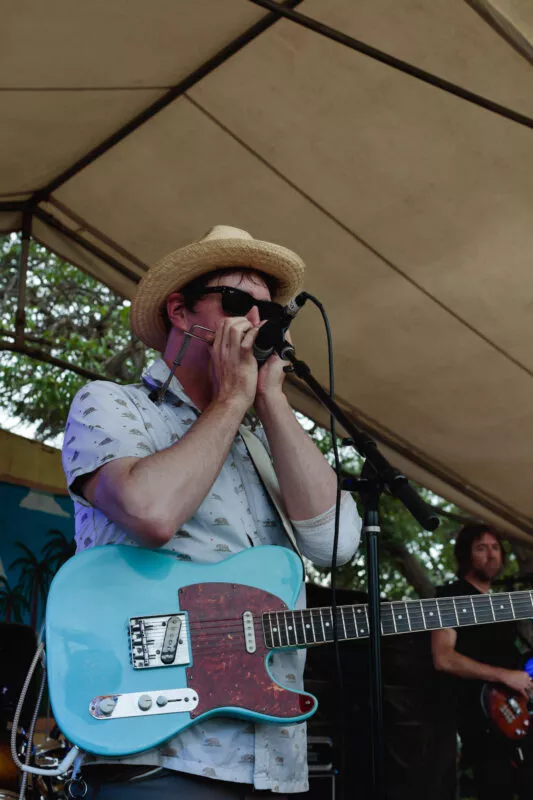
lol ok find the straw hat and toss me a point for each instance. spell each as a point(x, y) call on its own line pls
point(223, 246)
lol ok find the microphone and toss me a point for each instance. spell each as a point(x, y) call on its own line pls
point(271, 336)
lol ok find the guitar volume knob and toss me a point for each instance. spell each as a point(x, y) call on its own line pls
point(107, 705)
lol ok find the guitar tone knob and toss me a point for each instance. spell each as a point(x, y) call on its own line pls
point(162, 700)
point(145, 702)
point(107, 705)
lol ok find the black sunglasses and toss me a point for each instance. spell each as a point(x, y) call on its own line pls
point(237, 303)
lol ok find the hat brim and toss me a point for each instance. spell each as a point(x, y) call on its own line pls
point(177, 269)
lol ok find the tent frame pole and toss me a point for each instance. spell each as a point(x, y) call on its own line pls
point(20, 317)
point(396, 63)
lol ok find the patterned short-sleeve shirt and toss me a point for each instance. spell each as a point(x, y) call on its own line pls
point(106, 422)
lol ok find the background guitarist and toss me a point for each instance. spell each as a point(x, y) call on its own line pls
point(474, 655)
point(163, 465)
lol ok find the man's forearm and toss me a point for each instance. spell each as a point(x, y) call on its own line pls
point(307, 482)
point(162, 491)
point(462, 666)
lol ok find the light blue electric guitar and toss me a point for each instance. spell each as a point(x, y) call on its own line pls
point(141, 645)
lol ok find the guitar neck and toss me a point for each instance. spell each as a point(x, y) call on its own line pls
point(315, 625)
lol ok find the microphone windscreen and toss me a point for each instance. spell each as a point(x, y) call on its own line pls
point(269, 334)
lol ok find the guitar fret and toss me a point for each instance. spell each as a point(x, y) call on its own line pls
point(503, 611)
point(455, 611)
point(447, 613)
point(308, 625)
point(268, 631)
point(343, 625)
point(330, 635)
point(290, 627)
point(463, 609)
point(313, 626)
point(387, 619)
point(336, 623)
point(492, 607)
point(408, 617)
point(282, 631)
point(367, 631)
point(523, 604)
point(402, 623)
point(304, 626)
point(422, 614)
point(394, 620)
point(299, 627)
point(473, 609)
point(438, 612)
point(350, 621)
point(430, 611)
point(362, 628)
point(275, 630)
point(316, 619)
point(322, 625)
point(355, 622)
point(313, 620)
point(483, 607)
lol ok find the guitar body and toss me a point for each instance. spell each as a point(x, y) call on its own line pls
point(106, 703)
point(506, 709)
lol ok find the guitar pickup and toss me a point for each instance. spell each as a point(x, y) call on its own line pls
point(159, 641)
point(171, 640)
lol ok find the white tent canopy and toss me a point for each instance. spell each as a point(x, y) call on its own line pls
point(411, 206)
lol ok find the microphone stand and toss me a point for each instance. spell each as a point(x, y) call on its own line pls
point(377, 475)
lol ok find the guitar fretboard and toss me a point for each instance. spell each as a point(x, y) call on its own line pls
point(315, 625)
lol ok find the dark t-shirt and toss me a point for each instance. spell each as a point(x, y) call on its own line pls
point(492, 643)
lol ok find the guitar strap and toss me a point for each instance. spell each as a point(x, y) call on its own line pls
point(264, 467)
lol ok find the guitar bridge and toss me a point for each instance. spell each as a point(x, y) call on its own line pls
point(159, 641)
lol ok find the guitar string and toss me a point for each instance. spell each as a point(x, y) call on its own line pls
point(348, 630)
point(524, 604)
point(284, 634)
point(415, 617)
point(239, 645)
point(205, 645)
point(411, 614)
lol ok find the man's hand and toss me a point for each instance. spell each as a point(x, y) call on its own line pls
point(234, 364)
point(518, 681)
point(270, 378)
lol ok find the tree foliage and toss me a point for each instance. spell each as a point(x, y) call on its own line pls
point(13, 604)
point(34, 579)
point(69, 316)
point(58, 549)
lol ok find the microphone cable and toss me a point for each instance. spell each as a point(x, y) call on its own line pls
point(341, 712)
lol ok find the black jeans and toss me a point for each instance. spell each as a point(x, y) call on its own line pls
point(166, 784)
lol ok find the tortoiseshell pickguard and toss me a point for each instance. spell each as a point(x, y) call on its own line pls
point(223, 673)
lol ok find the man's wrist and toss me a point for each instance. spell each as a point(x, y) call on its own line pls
point(500, 675)
point(235, 405)
point(271, 403)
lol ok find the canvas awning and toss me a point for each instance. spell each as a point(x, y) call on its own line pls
point(129, 129)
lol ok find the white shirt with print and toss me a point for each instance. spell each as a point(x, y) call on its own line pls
point(107, 421)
